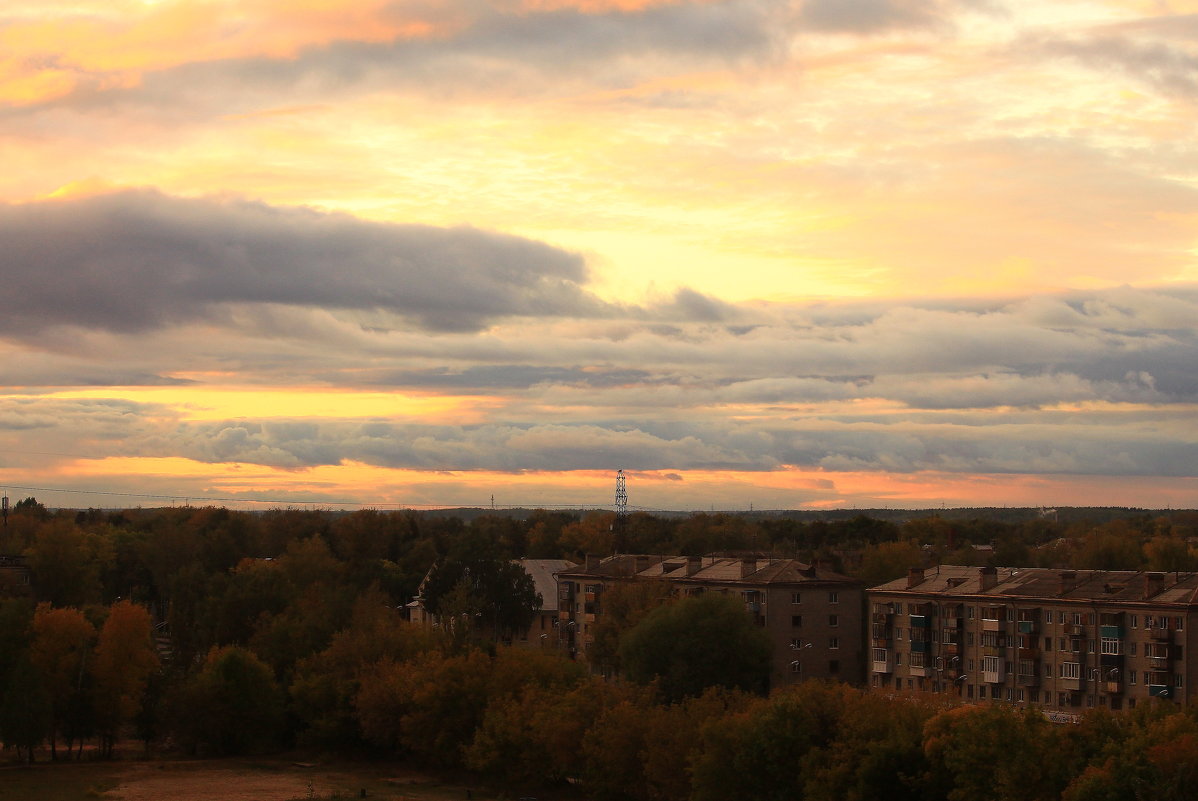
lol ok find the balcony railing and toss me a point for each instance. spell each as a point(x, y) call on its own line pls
point(993, 625)
point(1029, 680)
point(1161, 635)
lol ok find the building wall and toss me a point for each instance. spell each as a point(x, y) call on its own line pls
point(1061, 654)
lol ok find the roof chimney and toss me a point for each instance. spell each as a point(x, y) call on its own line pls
point(914, 577)
point(1068, 581)
point(748, 566)
point(1154, 584)
point(693, 565)
point(592, 562)
point(642, 563)
point(988, 577)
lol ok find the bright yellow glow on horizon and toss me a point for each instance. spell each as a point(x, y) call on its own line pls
point(231, 403)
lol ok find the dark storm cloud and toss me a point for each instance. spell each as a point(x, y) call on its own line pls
point(136, 261)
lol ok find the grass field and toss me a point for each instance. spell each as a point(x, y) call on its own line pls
point(229, 780)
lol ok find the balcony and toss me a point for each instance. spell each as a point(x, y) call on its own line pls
point(994, 676)
point(922, 670)
point(920, 621)
point(1158, 663)
point(1028, 627)
point(882, 642)
point(588, 618)
point(753, 606)
point(951, 622)
point(882, 618)
point(1160, 690)
point(1161, 635)
point(589, 597)
point(1029, 680)
point(1112, 687)
point(1111, 632)
point(1075, 630)
point(989, 624)
point(1072, 685)
point(993, 650)
point(1029, 653)
point(563, 615)
point(1110, 660)
point(921, 647)
point(884, 665)
point(950, 648)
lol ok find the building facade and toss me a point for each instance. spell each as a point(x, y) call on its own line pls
point(813, 616)
point(1062, 640)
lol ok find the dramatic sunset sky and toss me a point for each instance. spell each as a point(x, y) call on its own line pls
point(807, 254)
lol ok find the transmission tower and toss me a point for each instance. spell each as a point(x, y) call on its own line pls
point(621, 495)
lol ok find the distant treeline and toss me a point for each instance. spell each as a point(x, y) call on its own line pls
point(220, 631)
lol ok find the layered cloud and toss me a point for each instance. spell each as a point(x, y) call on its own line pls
point(804, 246)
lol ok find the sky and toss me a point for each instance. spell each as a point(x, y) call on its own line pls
point(757, 254)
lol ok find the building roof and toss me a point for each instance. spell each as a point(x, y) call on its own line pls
point(749, 570)
point(1115, 586)
point(542, 572)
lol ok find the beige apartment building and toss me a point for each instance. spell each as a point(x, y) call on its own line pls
point(1063, 640)
point(814, 616)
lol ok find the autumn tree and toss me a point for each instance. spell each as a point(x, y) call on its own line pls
point(124, 659)
point(60, 651)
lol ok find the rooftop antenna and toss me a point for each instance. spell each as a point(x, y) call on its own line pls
point(5, 505)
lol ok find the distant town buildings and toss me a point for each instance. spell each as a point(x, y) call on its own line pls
point(1063, 640)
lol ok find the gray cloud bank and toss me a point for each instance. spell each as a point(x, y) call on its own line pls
point(141, 288)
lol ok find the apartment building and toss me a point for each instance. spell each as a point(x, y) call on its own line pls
point(813, 615)
point(1063, 640)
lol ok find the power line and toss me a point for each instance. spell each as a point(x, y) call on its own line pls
point(295, 501)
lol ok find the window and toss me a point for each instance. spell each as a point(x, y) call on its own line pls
point(833, 598)
point(1047, 615)
point(1089, 646)
point(898, 658)
point(1135, 621)
point(1090, 619)
point(969, 613)
point(991, 664)
point(879, 654)
point(795, 667)
point(796, 597)
point(833, 643)
point(833, 620)
point(1048, 670)
point(1071, 670)
point(1111, 646)
point(1077, 618)
point(834, 666)
point(969, 638)
point(970, 665)
point(796, 644)
point(898, 634)
point(796, 620)
point(919, 660)
point(1179, 624)
point(1060, 617)
point(898, 608)
point(1131, 649)
point(1048, 643)
point(1061, 643)
point(1179, 680)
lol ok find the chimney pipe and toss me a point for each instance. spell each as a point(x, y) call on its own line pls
point(1154, 584)
point(989, 577)
point(1068, 581)
point(914, 577)
point(693, 565)
point(748, 566)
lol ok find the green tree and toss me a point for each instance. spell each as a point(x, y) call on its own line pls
point(234, 705)
point(695, 643)
point(498, 592)
point(887, 561)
